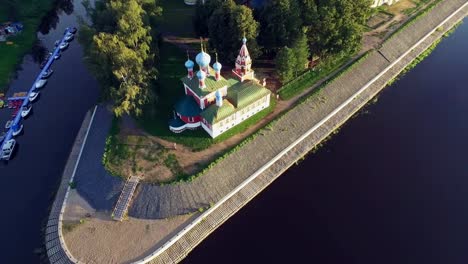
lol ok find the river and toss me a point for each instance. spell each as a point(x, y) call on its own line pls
point(391, 187)
point(31, 179)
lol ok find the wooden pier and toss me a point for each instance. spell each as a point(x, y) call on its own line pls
point(125, 198)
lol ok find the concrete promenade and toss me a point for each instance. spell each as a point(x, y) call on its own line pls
point(236, 180)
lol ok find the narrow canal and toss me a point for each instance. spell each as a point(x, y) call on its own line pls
point(391, 187)
point(30, 180)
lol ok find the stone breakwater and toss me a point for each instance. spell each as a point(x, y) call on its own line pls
point(289, 139)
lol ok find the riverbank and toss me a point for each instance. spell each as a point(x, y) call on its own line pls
point(331, 107)
point(30, 14)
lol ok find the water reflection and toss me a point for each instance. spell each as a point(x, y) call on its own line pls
point(38, 52)
point(51, 20)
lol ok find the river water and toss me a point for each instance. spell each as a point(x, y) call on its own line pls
point(391, 187)
point(31, 179)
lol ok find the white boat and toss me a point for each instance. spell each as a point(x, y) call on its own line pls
point(39, 84)
point(47, 74)
point(64, 45)
point(17, 130)
point(69, 37)
point(7, 149)
point(33, 96)
point(8, 124)
point(25, 110)
point(56, 57)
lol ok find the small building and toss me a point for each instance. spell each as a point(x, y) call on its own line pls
point(215, 103)
point(378, 3)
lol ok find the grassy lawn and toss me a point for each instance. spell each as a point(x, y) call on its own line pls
point(177, 18)
point(156, 117)
point(30, 13)
point(306, 80)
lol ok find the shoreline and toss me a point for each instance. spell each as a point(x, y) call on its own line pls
point(178, 246)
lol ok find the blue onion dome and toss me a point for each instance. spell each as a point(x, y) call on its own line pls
point(217, 66)
point(189, 64)
point(203, 59)
point(244, 40)
point(201, 75)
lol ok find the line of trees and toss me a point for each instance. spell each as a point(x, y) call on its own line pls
point(121, 51)
point(286, 29)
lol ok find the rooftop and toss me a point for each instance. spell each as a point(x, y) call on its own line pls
point(210, 82)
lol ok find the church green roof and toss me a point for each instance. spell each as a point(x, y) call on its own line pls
point(210, 82)
point(244, 93)
point(214, 113)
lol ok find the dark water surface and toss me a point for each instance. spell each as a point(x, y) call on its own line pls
point(30, 180)
point(391, 187)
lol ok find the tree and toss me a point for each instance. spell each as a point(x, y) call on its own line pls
point(203, 12)
point(228, 25)
point(280, 24)
point(301, 54)
point(121, 52)
point(335, 26)
point(285, 63)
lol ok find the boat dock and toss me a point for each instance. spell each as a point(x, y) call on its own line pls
point(23, 100)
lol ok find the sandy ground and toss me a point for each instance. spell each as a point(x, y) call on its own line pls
point(99, 239)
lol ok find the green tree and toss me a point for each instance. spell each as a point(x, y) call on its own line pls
point(228, 24)
point(121, 53)
point(285, 64)
point(202, 16)
point(280, 22)
point(301, 54)
point(335, 26)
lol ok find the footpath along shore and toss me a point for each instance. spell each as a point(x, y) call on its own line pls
point(289, 139)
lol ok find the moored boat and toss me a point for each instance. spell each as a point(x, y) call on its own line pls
point(47, 74)
point(64, 45)
point(17, 129)
point(33, 96)
point(25, 110)
point(39, 84)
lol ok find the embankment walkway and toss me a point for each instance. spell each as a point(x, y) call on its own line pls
point(237, 179)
